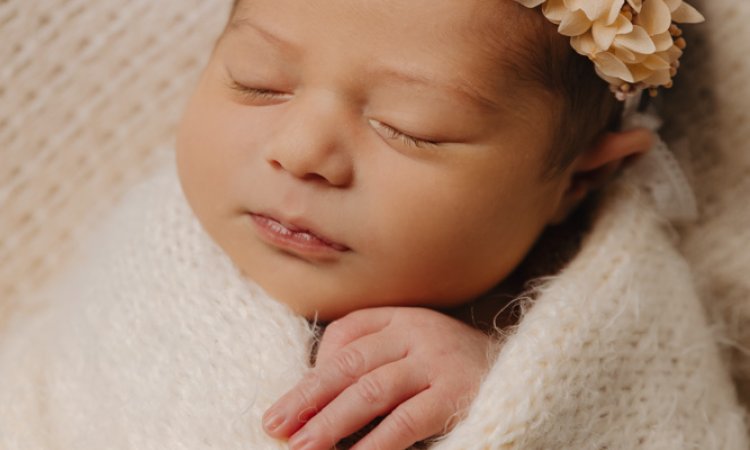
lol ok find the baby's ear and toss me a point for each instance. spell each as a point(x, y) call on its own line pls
point(593, 168)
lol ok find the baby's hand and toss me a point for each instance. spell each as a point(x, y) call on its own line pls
point(418, 368)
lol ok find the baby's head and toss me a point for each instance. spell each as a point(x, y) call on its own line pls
point(350, 153)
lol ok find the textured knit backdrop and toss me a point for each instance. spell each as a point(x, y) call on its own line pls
point(710, 107)
point(90, 93)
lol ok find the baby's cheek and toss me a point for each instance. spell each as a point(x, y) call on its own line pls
point(434, 263)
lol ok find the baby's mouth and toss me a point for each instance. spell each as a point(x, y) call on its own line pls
point(293, 237)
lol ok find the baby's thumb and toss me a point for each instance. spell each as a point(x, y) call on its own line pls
point(341, 332)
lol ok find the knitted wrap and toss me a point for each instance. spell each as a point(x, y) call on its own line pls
point(153, 340)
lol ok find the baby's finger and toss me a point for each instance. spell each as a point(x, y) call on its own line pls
point(323, 383)
point(373, 395)
point(351, 327)
point(416, 419)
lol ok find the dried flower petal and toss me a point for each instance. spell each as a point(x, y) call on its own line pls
point(687, 14)
point(637, 41)
point(655, 17)
point(662, 41)
point(555, 10)
point(612, 66)
point(636, 5)
point(574, 24)
point(633, 43)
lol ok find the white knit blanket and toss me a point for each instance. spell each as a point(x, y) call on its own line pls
point(154, 341)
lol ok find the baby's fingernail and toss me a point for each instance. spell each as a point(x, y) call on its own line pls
point(300, 441)
point(272, 421)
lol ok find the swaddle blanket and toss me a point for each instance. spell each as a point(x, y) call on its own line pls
point(154, 341)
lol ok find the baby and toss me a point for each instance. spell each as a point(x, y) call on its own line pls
point(351, 155)
point(382, 168)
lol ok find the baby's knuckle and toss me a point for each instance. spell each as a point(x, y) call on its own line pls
point(370, 389)
point(336, 331)
point(403, 423)
point(311, 380)
point(306, 389)
point(374, 441)
point(350, 363)
point(323, 430)
point(305, 399)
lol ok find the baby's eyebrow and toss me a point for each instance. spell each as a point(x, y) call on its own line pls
point(403, 75)
point(239, 24)
point(457, 87)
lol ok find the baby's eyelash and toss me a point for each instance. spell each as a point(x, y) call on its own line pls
point(390, 132)
point(255, 93)
point(393, 133)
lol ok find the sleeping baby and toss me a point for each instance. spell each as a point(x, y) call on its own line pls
point(358, 188)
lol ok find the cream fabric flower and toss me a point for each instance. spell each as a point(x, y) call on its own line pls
point(634, 44)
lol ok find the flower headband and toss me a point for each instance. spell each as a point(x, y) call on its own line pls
point(634, 44)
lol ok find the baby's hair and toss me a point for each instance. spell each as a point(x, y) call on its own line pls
point(544, 57)
point(587, 107)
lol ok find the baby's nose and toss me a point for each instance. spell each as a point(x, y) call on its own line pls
point(313, 143)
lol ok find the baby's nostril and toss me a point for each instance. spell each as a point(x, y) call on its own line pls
point(314, 177)
point(276, 165)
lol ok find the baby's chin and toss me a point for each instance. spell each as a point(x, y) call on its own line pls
point(315, 305)
point(326, 305)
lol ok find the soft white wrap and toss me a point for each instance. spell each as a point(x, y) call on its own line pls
point(154, 341)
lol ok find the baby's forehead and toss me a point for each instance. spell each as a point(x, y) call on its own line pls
point(508, 38)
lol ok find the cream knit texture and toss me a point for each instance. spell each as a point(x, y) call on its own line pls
point(151, 341)
point(154, 340)
point(710, 109)
point(90, 93)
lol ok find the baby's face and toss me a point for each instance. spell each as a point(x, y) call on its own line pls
point(351, 153)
